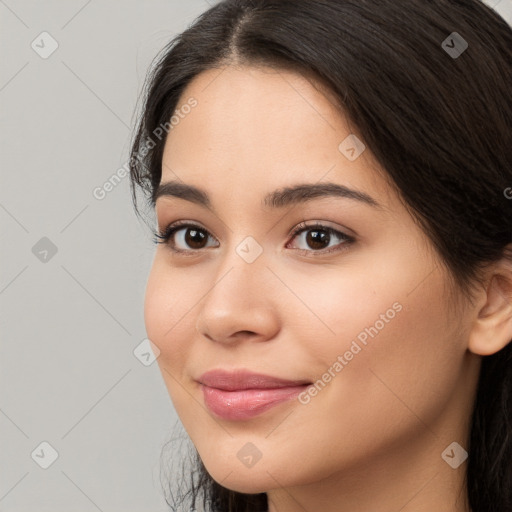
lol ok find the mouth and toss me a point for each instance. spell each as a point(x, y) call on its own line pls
point(242, 395)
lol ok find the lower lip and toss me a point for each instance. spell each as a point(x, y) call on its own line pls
point(245, 404)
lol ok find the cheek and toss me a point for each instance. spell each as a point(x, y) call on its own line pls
point(393, 362)
point(382, 342)
point(158, 304)
point(167, 313)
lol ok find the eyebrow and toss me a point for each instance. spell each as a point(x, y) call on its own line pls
point(279, 198)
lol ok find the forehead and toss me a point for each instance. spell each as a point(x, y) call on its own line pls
point(257, 128)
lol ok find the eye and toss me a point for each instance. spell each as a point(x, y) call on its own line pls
point(318, 237)
point(191, 235)
point(191, 238)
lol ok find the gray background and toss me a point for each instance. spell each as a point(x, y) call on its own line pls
point(71, 319)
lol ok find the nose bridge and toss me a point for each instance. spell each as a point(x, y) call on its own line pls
point(242, 271)
point(239, 298)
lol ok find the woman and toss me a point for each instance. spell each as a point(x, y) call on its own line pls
point(331, 296)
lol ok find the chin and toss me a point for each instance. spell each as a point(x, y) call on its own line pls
point(247, 483)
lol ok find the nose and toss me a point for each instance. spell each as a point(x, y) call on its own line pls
point(240, 303)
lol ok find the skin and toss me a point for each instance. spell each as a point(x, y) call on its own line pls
point(372, 438)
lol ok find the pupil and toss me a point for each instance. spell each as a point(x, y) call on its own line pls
point(195, 238)
point(319, 237)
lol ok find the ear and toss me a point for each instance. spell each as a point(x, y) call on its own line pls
point(492, 328)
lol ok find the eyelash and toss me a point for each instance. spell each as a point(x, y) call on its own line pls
point(165, 236)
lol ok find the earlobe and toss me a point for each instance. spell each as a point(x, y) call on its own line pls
point(492, 329)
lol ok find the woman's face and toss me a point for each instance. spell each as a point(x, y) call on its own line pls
point(367, 316)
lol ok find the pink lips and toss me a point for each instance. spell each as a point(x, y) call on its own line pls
point(242, 395)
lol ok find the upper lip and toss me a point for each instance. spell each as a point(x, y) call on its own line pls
point(244, 379)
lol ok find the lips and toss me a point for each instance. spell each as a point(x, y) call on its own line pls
point(243, 379)
point(241, 395)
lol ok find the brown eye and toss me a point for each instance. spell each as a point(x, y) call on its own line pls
point(184, 237)
point(195, 238)
point(317, 238)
